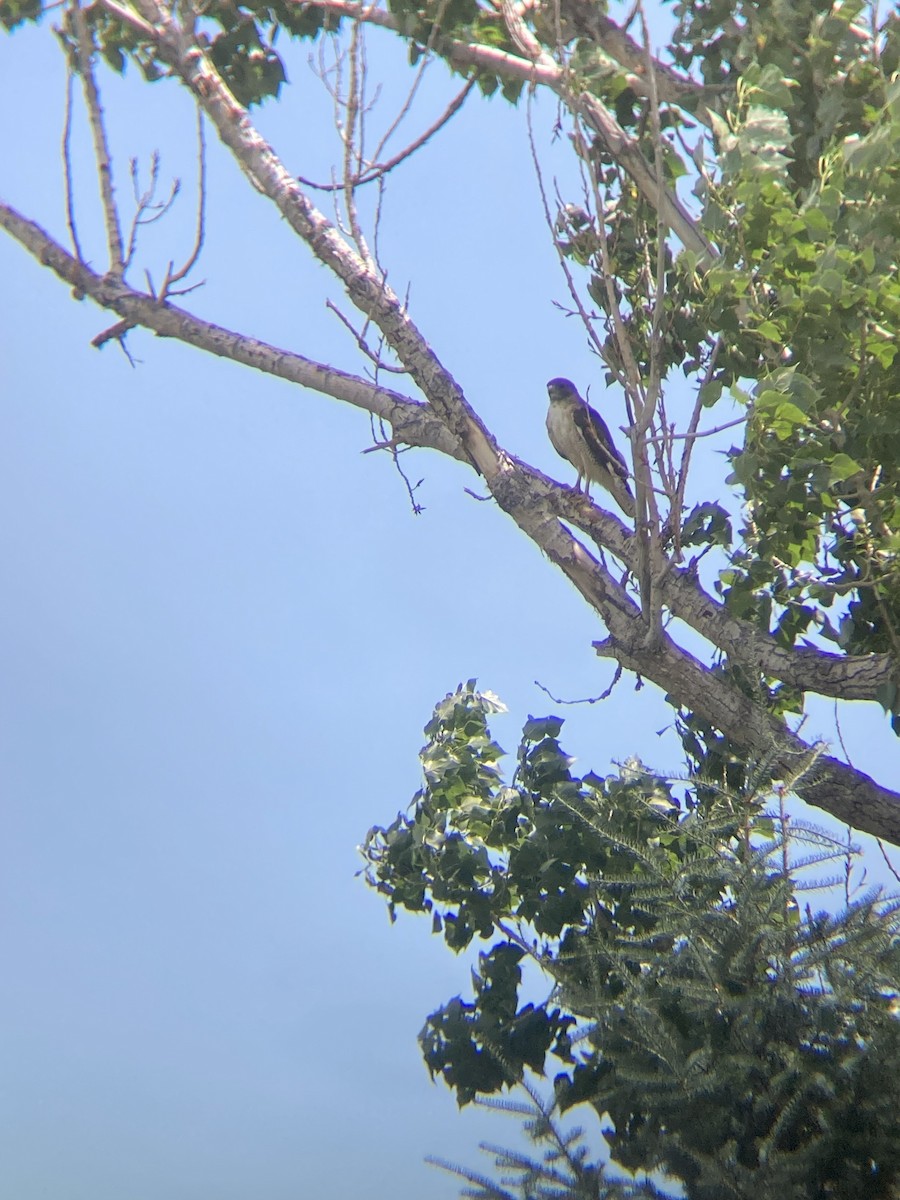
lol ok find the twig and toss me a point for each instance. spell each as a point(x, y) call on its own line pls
point(887, 862)
point(406, 106)
point(624, 148)
point(84, 57)
point(191, 261)
point(690, 437)
point(67, 165)
point(570, 281)
point(379, 170)
point(604, 695)
point(145, 203)
point(695, 435)
point(360, 340)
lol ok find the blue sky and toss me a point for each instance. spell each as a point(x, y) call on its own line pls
point(222, 632)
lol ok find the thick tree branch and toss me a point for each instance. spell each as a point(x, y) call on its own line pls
point(536, 503)
point(412, 423)
point(845, 792)
point(367, 289)
point(579, 16)
point(843, 676)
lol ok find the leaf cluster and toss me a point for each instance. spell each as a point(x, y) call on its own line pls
point(808, 293)
point(732, 1041)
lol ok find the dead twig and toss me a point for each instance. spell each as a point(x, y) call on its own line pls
point(84, 57)
point(67, 162)
point(604, 695)
point(378, 170)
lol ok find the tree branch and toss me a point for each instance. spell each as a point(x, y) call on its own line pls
point(413, 423)
point(844, 676)
point(367, 289)
point(84, 58)
point(844, 791)
point(536, 503)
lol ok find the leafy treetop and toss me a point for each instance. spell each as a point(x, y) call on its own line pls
point(732, 1038)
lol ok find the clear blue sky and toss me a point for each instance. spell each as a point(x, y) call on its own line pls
point(222, 633)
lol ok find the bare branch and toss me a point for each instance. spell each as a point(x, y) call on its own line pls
point(353, 128)
point(191, 261)
point(84, 59)
point(67, 165)
point(368, 291)
point(362, 344)
point(691, 436)
point(146, 203)
point(586, 17)
point(574, 293)
point(412, 422)
point(378, 170)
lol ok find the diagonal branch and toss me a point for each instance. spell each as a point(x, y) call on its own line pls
point(377, 170)
point(413, 423)
point(844, 676)
point(365, 286)
point(84, 58)
point(538, 506)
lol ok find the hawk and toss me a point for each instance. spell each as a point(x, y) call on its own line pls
point(579, 434)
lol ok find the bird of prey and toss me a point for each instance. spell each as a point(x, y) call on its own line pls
point(579, 434)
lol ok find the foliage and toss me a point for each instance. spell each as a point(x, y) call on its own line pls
point(733, 1038)
point(565, 1170)
point(801, 194)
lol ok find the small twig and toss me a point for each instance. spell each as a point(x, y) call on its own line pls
point(840, 733)
point(115, 331)
point(144, 200)
point(887, 861)
point(690, 437)
point(393, 443)
point(379, 170)
point(84, 57)
point(695, 435)
point(185, 291)
point(605, 695)
point(67, 165)
point(406, 106)
point(359, 338)
point(570, 281)
point(201, 208)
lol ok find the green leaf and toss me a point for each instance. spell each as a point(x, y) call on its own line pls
point(842, 467)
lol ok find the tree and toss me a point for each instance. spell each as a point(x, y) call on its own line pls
point(773, 281)
point(730, 209)
point(731, 1037)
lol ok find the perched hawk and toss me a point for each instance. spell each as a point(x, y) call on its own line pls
point(579, 434)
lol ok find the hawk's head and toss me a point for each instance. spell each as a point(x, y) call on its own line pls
point(562, 389)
